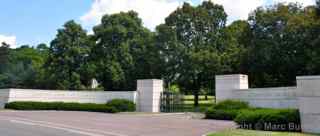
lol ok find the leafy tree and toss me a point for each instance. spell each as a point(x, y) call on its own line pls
point(283, 38)
point(191, 41)
point(18, 75)
point(4, 56)
point(23, 68)
point(27, 54)
point(237, 39)
point(123, 51)
point(42, 47)
point(68, 58)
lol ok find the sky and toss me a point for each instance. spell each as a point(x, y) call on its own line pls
point(36, 21)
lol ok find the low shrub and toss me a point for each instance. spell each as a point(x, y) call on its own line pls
point(60, 106)
point(220, 114)
point(255, 118)
point(122, 105)
point(231, 105)
point(226, 110)
point(269, 119)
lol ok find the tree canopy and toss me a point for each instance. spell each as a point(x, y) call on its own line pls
point(284, 44)
point(68, 57)
point(192, 46)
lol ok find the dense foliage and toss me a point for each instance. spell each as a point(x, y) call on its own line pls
point(68, 58)
point(123, 51)
point(193, 45)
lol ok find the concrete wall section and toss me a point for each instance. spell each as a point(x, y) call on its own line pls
point(226, 84)
point(4, 96)
point(11, 95)
point(282, 97)
point(309, 102)
point(236, 87)
point(149, 92)
point(147, 96)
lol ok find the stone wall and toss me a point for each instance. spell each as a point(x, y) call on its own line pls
point(282, 97)
point(147, 96)
point(236, 87)
point(305, 97)
point(309, 103)
point(100, 97)
point(69, 96)
point(226, 84)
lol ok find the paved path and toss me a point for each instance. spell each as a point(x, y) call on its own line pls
point(55, 123)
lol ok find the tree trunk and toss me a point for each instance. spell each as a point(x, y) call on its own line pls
point(196, 98)
point(196, 91)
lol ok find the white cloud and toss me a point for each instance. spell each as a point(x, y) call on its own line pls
point(11, 40)
point(152, 12)
point(239, 9)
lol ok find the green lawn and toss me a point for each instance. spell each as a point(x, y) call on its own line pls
point(188, 101)
point(239, 132)
point(188, 104)
point(191, 97)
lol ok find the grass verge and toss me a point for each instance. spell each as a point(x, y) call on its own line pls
point(240, 132)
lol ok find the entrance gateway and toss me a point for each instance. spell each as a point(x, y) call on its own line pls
point(149, 96)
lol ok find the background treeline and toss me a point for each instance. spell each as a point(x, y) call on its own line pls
point(194, 44)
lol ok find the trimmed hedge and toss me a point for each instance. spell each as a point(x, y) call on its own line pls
point(256, 118)
point(269, 119)
point(220, 114)
point(231, 105)
point(60, 106)
point(122, 105)
point(226, 110)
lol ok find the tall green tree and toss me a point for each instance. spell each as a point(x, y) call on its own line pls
point(68, 57)
point(191, 41)
point(283, 39)
point(237, 38)
point(122, 50)
point(4, 55)
point(23, 68)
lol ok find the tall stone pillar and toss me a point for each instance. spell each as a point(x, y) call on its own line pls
point(149, 92)
point(4, 97)
point(226, 84)
point(309, 103)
